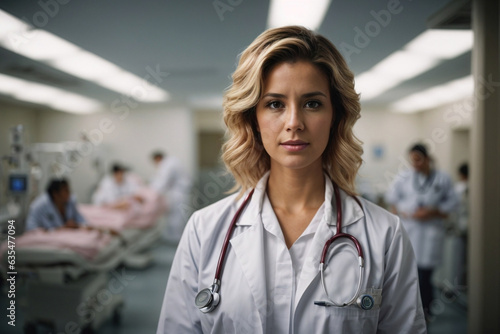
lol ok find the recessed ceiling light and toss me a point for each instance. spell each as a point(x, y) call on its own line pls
point(309, 14)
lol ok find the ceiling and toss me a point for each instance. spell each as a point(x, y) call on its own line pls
point(198, 48)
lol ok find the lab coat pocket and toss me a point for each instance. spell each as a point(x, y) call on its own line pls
point(352, 319)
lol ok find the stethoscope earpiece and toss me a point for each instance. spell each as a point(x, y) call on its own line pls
point(207, 299)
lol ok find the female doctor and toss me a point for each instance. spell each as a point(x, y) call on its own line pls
point(290, 112)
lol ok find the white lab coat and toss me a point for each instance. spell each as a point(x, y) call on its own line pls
point(171, 181)
point(109, 192)
point(462, 214)
point(427, 237)
point(246, 301)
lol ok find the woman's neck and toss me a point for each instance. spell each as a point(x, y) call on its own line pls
point(296, 190)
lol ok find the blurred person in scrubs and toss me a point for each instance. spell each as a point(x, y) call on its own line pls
point(117, 189)
point(423, 197)
point(290, 113)
point(172, 182)
point(462, 190)
point(461, 222)
point(55, 208)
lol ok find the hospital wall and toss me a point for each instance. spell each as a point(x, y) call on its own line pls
point(10, 115)
point(129, 139)
point(386, 137)
point(446, 133)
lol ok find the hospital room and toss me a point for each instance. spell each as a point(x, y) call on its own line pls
point(157, 166)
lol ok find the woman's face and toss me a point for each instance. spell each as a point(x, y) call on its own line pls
point(294, 115)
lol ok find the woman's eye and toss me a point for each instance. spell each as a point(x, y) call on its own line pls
point(275, 105)
point(313, 104)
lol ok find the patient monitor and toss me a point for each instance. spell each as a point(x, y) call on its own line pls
point(18, 183)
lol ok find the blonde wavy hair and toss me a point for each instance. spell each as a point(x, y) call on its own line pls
point(243, 152)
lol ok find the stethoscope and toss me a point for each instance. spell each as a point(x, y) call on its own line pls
point(422, 188)
point(208, 299)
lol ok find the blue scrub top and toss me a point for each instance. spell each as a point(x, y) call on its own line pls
point(44, 214)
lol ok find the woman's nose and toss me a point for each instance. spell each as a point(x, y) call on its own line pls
point(294, 120)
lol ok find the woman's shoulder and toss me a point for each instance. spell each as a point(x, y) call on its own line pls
point(213, 213)
point(378, 213)
point(382, 224)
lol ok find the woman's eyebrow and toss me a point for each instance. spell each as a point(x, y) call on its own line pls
point(311, 94)
point(275, 95)
point(314, 94)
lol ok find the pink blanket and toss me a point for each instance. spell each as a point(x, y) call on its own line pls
point(138, 215)
point(84, 242)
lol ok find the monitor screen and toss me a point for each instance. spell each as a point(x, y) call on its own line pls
point(18, 183)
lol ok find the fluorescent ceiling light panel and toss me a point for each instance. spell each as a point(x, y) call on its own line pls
point(131, 85)
point(10, 85)
point(391, 71)
point(402, 65)
point(441, 44)
point(40, 45)
point(36, 93)
point(434, 97)
point(369, 84)
point(309, 14)
point(76, 104)
point(85, 65)
point(418, 56)
point(11, 28)
point(33, 92)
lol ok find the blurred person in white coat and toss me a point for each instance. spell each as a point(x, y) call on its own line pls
point(423, 197)
point(290, 113)
point(116, 190)
point(172, 182)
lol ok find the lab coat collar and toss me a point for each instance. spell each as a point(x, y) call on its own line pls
point(254, 208)
point(351, 211)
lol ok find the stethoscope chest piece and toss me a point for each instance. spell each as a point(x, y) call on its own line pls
point(207, 299)
point(366, 302)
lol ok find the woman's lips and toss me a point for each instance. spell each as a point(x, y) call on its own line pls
point(294, 145)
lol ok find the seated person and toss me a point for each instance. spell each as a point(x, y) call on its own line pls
point(54, 209)
point(116, 190)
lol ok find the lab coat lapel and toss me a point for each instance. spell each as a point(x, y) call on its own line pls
point(311, 266)
point(250, 255)
point(324, 232)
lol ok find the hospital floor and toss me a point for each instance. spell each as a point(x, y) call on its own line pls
point(144, 295)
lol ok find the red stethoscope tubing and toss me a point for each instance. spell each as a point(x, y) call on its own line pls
point(338, 234)
point(222, 256)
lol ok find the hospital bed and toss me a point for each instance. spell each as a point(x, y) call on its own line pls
point(68, 288)
point(72, 276)
point(139, 226)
